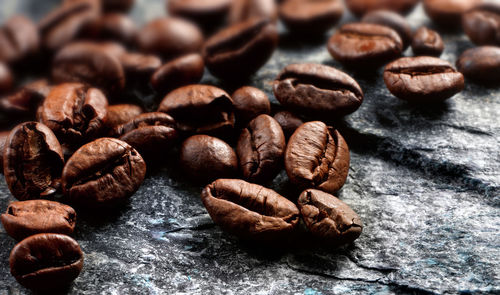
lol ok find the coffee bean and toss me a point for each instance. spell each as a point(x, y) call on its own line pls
point(204, 158)
point(88, 63)
point(427, 42)
point(117, 5)
point(27, 218)
point(448, 13)
point(361, 7)
point(241, 49)
point(310, 16)
point(481, 64)
point(33, 161)
point(249, 102)
point(75, 112)
point(26, 100)
point(113, 27)
point(207, 14)
point(6, 78)
point(243, 10)
point(328, 218)
point(317, 90)
point(365, 45)
point(250, 211)
point(200, 109)
point(423, 79)
point(3, 139)
point(138, 66)
point(121, 114)
point(46, 261)
point(482, 24)
point(317, 156)
point(288, 122)
point(392, 20)
point(113, 48)
point(103, 173)
point(169, 38)
point(18, 39)
point(184, 70)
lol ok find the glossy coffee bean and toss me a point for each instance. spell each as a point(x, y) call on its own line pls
point(205, 13)
point(310, 16)
point(103, 173)
point(204, 158)
point(184, 70)
point(317, 90)
point(260, 149)
point(482, 24)
point(113, 27)
point(32, 161)
point(481, 64)
point(361, 7)
point(427, 42)
point(317, 156)
point(423, 79)
point(6, 78)
point(3, 139)
point(75, 112)
point(241, 49)
point(249, 102)
point(27, 218)
point(46, 261)
point(139, 66)
point(121, 114)
point(243, 10)
point(392, 20)
point(329, 219)
point(288, 121)
point(365, 45)
point(250, 211)
point(448, 13)
point(19, 39)
point(200, 109)
point(169, 38)
point(26, 100)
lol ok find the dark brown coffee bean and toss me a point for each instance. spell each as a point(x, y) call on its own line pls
point(328, 218)
point(46, 261)
point(243, 10)
point(114, 27)
point(361, 7)
point(75, 112)
point(205, 13)
point(427, 42)
point(423, 79)
point(204, 158)
point(317, 90)
point(169, 38)
point(139, 66)
point(288, 122)
point(317, 156)
point(32, 161)
point(6, 78)
point(152, 134)
point(113, 48)
point(26, 100)
point(121, 114)
point(18, 39)
point(448, 13)
point(362, 45)
point(260, 149)
point(392, 20)
point(27, 218)
point(250, 211)
point(3, 139)
point(481, 64)
point(103, 173)
point(482, 24)
point(200, 109)
point(249, 102)
point(184, 70)
point(241, 49)
point(311, 16)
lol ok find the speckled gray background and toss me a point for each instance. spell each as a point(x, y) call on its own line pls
point(425, 181)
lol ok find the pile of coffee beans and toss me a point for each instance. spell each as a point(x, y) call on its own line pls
point(80, 141)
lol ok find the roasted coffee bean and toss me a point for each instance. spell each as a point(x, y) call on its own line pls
point(241, 49)
point(169, 38)
point(249, 102)
point(243, 10)
point(423, 79)
point(310, 16)
point(66, 22)
point(317, 156)
point(113, 48)
point(288, 122)
point(26, 100)
point(328, 218)
point(317, 90)
point(184, 70)
point(139, 66)
point(75, 112)
point(88, 63)
point(200, 109)
point(427, 42)
point(392, 20)
point(113, 27)
point(448, 13)
point(18, 39)
point(32, 161)
point(361, 7)
point(6, 79)
point(103, 173)
point(204, 158)
point(3, 139)
point(207, 14)
point(260, 149)
point(481, 64)
point(250, 211)
point(27, 218)
point(365, 45)
point(46, 261)
point(151, 134)
point(121, 114)
point(482, 24)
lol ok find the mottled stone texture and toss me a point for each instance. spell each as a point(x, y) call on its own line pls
point(425, 181)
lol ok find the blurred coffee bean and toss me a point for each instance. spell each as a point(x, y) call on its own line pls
point(361, 7)
point(138, 66)
point(448, 13)
point(427, 42)
point(311, 16)
point(3, 140)
point(249, 102)
point(113, 27)
point(482, 24)
point(481, 64)
point(243, 10)
point(18, 39)
point(121, 114)
point(288, 121)
point(26, 100)
point(184, 70)
point(207, 14)
point(6, 78)
point(117, 5)
point(392, 20)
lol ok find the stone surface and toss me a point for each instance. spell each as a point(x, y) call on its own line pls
point(425, 181)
